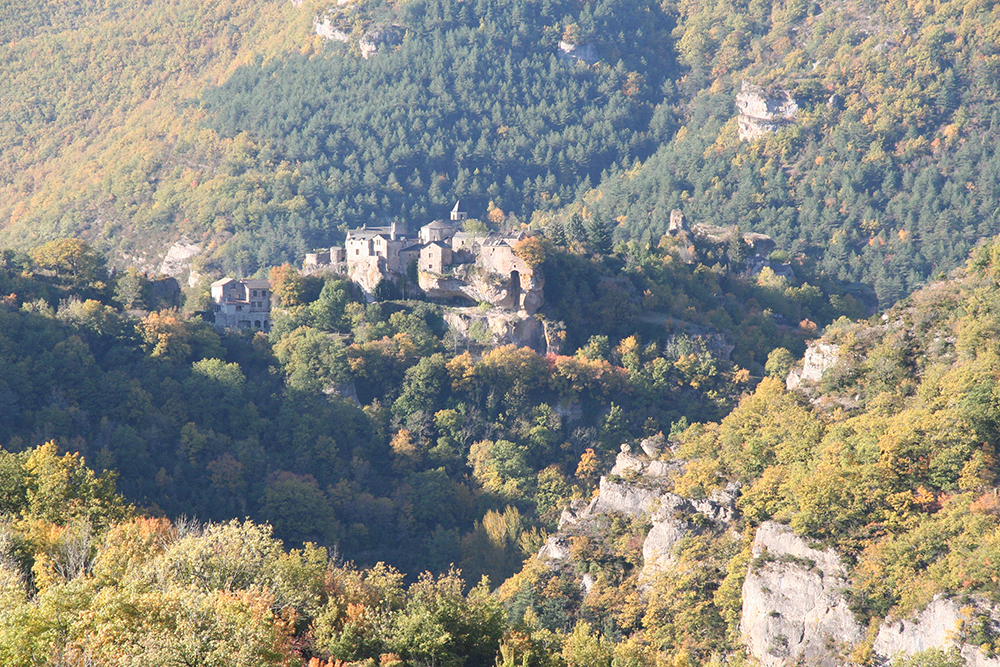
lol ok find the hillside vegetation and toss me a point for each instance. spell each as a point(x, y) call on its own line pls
point(236, 125)
point(892, 463)
point(888, 174)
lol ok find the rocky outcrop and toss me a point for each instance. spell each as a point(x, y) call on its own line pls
point(794, 610)
point(493, 328)
point(178, 258)
point(586, 53)
point(479, 285)
point(763, 111)
point(367, 273)
point(379, 36)
point(819, 358)
point(940, 625)
point(328, 29)
point(637, 486)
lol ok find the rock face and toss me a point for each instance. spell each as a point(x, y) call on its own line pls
point(940, 625)
point(327, 29)
point(494, 328)
point(819, 358)
point(178, 258)
point(479, 284)
point(368, 274)
point(763, 111)
point(644, 494)
point(586, 53)
point(379, 36)
point(793, 606)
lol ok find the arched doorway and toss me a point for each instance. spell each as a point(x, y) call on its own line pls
point(515, 290)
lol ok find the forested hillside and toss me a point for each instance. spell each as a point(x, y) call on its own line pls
point(236, 125)
point(468, 459)
point(442, 433)
point(888, 173)
point(890, 459)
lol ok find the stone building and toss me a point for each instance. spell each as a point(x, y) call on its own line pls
point(435, 257)
point(321, 258)
point(242, 304)
point(451, 263)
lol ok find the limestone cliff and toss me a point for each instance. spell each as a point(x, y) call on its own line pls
point(794, 610)
point(794, 599)
point(475, 327)
point(763, 111)
point(820, 357)
point(479, 284)
point(637, 486)
point(943, 624)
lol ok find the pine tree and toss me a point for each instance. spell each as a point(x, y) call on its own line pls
point(599, 234)
point(574, 229)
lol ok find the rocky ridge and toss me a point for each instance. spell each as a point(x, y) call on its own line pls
point(795, 608)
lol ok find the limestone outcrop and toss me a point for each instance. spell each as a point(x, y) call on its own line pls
point(942, 624)
point(763, 111)
point(481, 284)
point(637, 486)
point(794, 609)
point(819, 358)
point(330, 30)
point(178, 258)
point(493, 328)
point(586, 53)
point(377, 37)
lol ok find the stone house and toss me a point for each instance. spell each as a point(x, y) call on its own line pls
point(242, 304)
point(439, 230)
point(378, 245)
point(435, 257)
point(321, 258)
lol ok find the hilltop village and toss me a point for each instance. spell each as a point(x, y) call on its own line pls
point(461, 264)
point(448, 262)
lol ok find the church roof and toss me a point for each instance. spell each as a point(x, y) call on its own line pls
point(438, 224)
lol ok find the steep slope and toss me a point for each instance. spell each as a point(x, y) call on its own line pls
point(865, 520)
point(888, 170)
point(100, 134)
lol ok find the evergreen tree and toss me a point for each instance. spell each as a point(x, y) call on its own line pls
point(599, 234)
point(574, 229)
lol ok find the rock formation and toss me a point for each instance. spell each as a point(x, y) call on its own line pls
point(671, 515)
point(763, 111)
point(794, 605)
point(585, 53)
point(493, 328)
point(819, 358)
point(942, 624)
point(328, 29)
point(379, 36)
point(178, 260)
point(794, 610)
